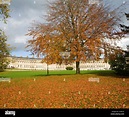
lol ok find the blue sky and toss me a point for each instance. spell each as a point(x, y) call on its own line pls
point(23, 13)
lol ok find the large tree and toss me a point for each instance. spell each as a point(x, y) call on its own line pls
point(77, 29)
point(4, 48)
point(117, 60)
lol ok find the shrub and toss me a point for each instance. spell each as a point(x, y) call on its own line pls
point(69, 68)
point(118, 64)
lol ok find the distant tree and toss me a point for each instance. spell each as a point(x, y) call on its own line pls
point(4, 49)
point(76, 28)
point(117, 63)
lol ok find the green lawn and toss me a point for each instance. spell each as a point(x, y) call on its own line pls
point(24, 74)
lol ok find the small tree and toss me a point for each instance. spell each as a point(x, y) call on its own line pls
point(4, 51)
point(117, 63)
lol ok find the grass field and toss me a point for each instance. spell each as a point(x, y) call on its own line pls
point(24, 74)
point(64, 89)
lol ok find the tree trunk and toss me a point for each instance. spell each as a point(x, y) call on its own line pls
point(77, 67)
point(47, 70)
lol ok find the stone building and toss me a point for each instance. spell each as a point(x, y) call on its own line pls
point(35, 64)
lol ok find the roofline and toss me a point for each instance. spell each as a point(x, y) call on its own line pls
point(25, 57)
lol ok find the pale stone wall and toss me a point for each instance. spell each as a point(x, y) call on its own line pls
point(35, 64)
point(127, 60)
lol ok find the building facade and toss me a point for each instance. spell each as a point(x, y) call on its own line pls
point(27, 63)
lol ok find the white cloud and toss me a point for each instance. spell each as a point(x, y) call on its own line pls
point(20, 39)
point(124, 42)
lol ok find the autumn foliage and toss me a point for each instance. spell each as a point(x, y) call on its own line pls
point(67, 91)
point(84, 30)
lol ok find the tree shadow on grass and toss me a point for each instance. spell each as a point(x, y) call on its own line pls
point(105, 73)
point(100, 72)
point(85, 72)
point(2, 76)
point(55, 74)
